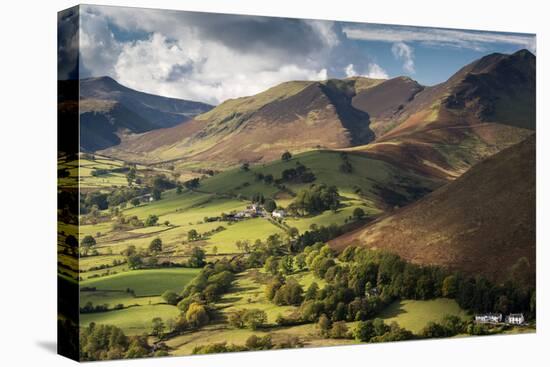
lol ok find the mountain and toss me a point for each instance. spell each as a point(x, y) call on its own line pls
point(481, 223)
point(108, 109)
point(295, 116)
point(443, 130)
point(438, 131)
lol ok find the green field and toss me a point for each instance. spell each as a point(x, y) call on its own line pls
point(414, 315)
point(133, 320)
point(145, 282)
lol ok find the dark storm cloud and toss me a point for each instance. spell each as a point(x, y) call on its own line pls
point(249, 33)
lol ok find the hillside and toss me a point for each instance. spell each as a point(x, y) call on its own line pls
point(481, 223)
point(443, 130)
point(108, 109)
point(379, 184)
point(296, 116)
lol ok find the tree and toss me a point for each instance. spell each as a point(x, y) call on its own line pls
point(312, 291)
point(259, 343)
point(286, 264)
point(129, 251)
point(339, 330)
point(346, 167)
point(131, 176)
point(155, 245)
point(364, 331)
point(358, 213)
point(245, 166)
point(157, 328)
point(151, 220)
point(286, 156)
point(290, 293)
point(270, 205)
point(300, 261)
point(236, 318)
point(138, 348)
point(87, 243)
point(449, 286)
point(134, 261)
point(170, 297)
point(324, 325)
point(254, 318)
point(157, 194)
point(192, 235)
point(272, 287)
point(197, 315)
point(271, 265)
point(135, 202)
point(434, 330)
point(196, 259)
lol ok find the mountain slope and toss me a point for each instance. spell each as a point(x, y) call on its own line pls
point(485, 107)
point(295, 116)
point(481, 223)
point(109, 109)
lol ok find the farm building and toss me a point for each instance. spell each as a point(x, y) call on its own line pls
point(515, 318)
point(489, 318)
point(146, 198)
point(278, 214)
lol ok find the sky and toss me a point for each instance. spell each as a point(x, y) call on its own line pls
point(213, 57)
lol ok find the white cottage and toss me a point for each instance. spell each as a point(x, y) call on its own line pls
point(515, 319)
point(278, 214)
point(489, 318)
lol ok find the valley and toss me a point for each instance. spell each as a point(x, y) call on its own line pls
point(314, 213)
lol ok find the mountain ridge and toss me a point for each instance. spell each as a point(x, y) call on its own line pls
point(109, 109)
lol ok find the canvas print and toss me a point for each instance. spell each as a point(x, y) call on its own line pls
point(234, 183)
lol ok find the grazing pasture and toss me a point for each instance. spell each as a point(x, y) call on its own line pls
point(144, 282)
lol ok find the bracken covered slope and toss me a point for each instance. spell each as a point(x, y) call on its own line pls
point(481, 223)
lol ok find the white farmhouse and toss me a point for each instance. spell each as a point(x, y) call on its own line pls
point(489, 318)
point(515, 319)
point(278, 214)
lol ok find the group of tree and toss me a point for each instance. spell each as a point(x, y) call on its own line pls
point(253, 342)
point(316, 199)
point(207, 287)
point(284, 292)
point(299, 174)
point(268, 179)
point(360, 283)
point(247, 318)
point(192, 184)
point(104, 342)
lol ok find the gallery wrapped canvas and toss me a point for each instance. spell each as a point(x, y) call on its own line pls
point(232, 183)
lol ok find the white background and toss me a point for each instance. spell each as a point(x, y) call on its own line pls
point(28, 182)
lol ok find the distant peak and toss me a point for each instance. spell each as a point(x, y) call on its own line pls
point(524, 53)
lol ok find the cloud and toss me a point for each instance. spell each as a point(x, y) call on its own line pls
point(476, 40)
point(404, 52)
point(373, 71)
point(350, 71)
point(201, 56)
point(376, 72)
point(201, 70)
